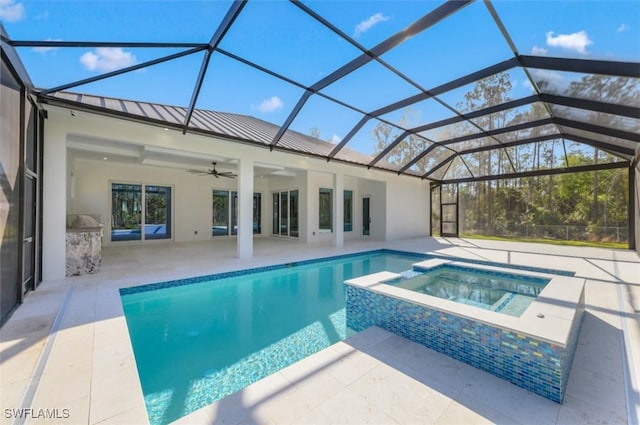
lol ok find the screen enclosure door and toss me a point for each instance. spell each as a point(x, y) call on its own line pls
point(449, 210)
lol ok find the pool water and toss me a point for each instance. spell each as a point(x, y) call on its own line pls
point(197, 343)
point(500, 292)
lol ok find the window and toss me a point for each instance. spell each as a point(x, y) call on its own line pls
point(275, 223)
point(285, 213)
point(128, 217)
point(348, 211)
point(257, 212)
point(325, 211)
point(157, 212)
point(225, 213)
point(220, 213)
point(126, 212)
point(293, 213)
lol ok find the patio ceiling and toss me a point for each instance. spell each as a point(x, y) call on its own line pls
point(417, 101)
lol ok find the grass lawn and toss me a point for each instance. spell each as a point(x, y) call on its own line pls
point(614, 245)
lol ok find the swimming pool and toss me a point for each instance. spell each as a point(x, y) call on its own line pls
point(505, 293)
point(198, 340)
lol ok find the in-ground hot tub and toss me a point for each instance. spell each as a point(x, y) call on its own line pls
point(533, 350)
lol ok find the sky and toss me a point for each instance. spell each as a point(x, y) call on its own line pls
point(280, 36)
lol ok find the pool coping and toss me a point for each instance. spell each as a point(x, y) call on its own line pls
point(549, 317)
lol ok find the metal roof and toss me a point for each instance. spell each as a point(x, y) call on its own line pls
point(242, 128)
point(476, 121)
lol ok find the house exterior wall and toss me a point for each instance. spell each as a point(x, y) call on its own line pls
point(54, 195)
point(407, 209)
point(634, 179)
point(399, 207)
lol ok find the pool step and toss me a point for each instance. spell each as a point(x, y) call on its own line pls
point(408, 274)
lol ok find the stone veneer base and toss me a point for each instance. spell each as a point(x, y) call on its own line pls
point(83, 252)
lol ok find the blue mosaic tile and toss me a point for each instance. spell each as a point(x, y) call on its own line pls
point(224, 275)
point(502, 265)
point(536, 365)
point(417, 255)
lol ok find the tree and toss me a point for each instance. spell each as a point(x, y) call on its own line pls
point(314, 132)
point(408, 148)
point(490, 91)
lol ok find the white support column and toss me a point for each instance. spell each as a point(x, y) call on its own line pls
point(245, 209)
point(338, 210)
point(54, 203)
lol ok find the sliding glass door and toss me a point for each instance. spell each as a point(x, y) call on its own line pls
point(285, 205)
point(157, 212)
point(135, 207)
point(126, 212)
point(225, 213)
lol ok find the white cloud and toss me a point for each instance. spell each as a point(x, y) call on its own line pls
point(272, 104)
point(107, 59)
point(369, 23)
point(577, 41)
point(11, 11)
point(540, 51)
point(46, 49)
point(335, 139)
point(555, 81)
point(623, 27)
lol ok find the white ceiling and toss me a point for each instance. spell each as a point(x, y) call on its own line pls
point(98, 149)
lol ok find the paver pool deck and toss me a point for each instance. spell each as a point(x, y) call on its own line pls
point(67, 347)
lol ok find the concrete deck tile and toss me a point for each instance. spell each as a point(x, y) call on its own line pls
point(440, 372)
point(135, 416)
point(576, 411)
point(230, 410)
point(54, 392)
point(199, 417)
point(112, 397)
point(368, 338)
point(65, 412)
point(507, 398)
point(351, 364)
point(314, 364)
point(21, 364)
point(346, 407)
point(10, 397)
point(469, 411)
point(597, 389)
point(292, 402)
point(400, 397)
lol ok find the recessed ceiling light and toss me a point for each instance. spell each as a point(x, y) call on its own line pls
point(165, 129)
point(105, 158)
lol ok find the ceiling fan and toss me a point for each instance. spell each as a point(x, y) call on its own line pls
point(213, 172)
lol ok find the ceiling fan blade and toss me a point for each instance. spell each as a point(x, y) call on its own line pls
point(227, 175)
point(198, 172)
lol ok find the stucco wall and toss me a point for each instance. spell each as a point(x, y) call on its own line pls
point(636, 213)
point(407, 208)
point(192, 194)
point(376, 192)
